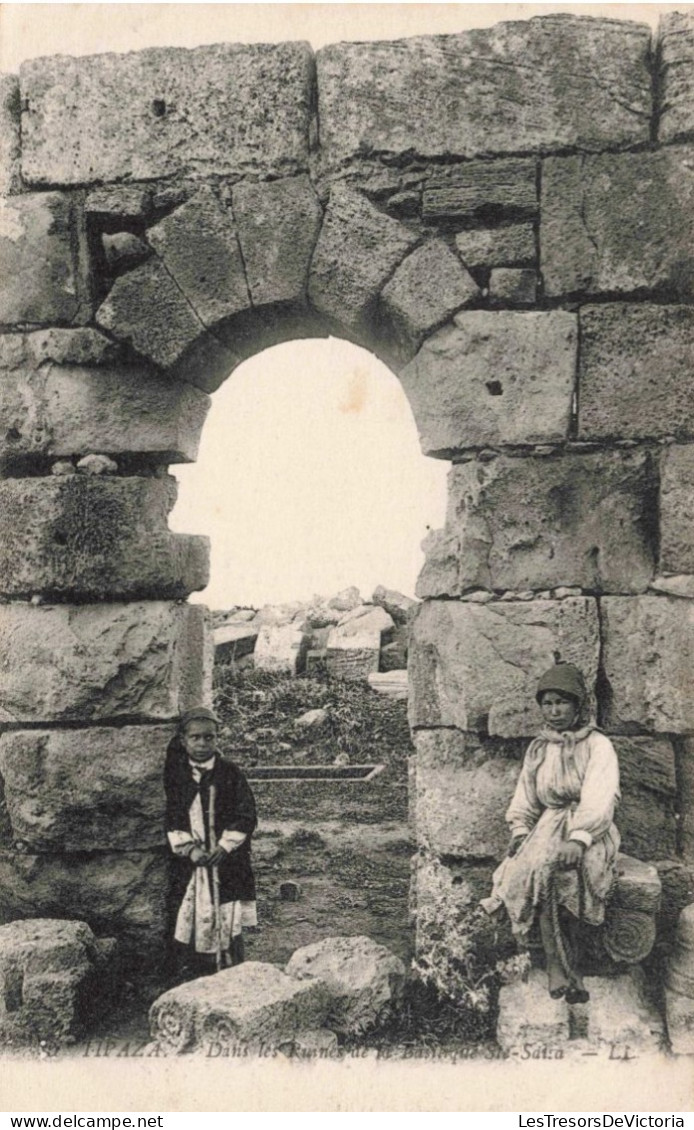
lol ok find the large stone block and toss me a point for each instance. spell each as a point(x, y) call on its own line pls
point(648, 655)
point(280, 648)
point(85, 790)
point(426, 289)
point(582, 83)
point(618, 223)
point(538, 523)
point(199, 247)
point(462, 791)
point(635, 371)
point(116, 893)
point(483, 189)
point(94, 661)
point(9, 135)
point(686, 779)
point(278, 224)
point(226, 109)
point(511, 246)
point(357, 252)
point(476, 667)
point(39, 266)
point(62, 345)
point(676, 43)
point(74, 410)
point(677, 510)
point(494, 377)
point(147, 309)
point(529, 1018)
point(89, 538)
point(646, 816)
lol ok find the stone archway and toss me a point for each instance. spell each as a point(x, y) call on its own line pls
point(505, 217)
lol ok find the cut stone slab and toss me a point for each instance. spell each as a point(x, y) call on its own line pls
point(513, 286)
point(365, 981)
point(679, 1015)
point(680, 585)
point(583, 83)
point(94, 661)
point(253, 1003)
point(536, 523)
point(493, 377)
point(278, 224)
point(475, 667)
point(9, 135)
point(426, 289)
point(352, 658)
point(677, 509)
point(116, 201)
point(648, 653)
point(199, 246)
point(622, 1013)
point(635, 371)
point(392, 684)
point(40, 270)
point(638, 885)
point(483, 188)
point(680, 962)
point(280, 648)
point(357, 252)
point(676, 43)
point(646, 816)
point(52, 979)
point(117, 893)
point(367, 618)
point(618, 223)
point(70, 410)
point(512, 246)
point(146, 308)
point(83, 790)
point(92, 538)
point(223, 110)
point(529, 1016)
point(455, 773)
point(233, 641)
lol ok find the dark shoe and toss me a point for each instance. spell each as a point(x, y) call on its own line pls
point(575, 995)
point(557, 994)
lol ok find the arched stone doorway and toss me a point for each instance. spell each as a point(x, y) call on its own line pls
point(505, 218)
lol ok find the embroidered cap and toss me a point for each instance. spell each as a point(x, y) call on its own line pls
point(565, 678)
point(197, 714)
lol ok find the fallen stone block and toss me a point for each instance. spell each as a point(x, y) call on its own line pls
point(396, 604)
point(622, 1013)
point(392, 684)
point(41, 281)
point(529, 1016)
point(475, 667)
point(10, 180)
point(518, 381)
point(54, 980)
point(95, 537)
point(233, 641)
point(62, 662)
point(676, 45)
point(281, 648)
point(352, 658)
point(365, 619)
point(253, 1003)
point(648, 652)
point(166, 111)
point(364, 980)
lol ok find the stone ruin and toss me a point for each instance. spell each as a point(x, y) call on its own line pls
point(505, 217)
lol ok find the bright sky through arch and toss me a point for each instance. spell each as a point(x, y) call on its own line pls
point(310, 478)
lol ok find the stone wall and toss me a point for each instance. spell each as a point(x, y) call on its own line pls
point(505, 217)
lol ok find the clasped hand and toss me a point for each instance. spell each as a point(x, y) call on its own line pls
point(569, 855)
point(201, 858)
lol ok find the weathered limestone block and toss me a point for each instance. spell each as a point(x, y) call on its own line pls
point(233, 641)
point(199, 247)
point(679, 585)
point(512, 246)
point(623, 1012)
point(81, 345)
point(220, 110)
point(61, 662)
point(648, 653)
point(455, 774)
point(686, 777)
point(635, 371)
point(638, 885)
point(676, 42)
point(392, 684)
point(396, 604)
point(583, 83)
point(618, 222)
point(124, 250)
point(88, 538)
point(529, 1016)
point(146, 308)
point(366, 618)
point(364, 980)
point(281, 648)
point(85, 790)
point(476, 666)
point(254, 1003)
point(278, 224)
point(677, 509)
point(646, 815)
point(483, 189)
point(52, 975)
point(513, 286)
point(39, 268)
point(120, 893)
point(679, 1015)
point(354, 657)
point(119, 201)
point(677, 891)
point(357, 251)
point(493, 377)
point(426, 289)
point(71, 410)
point(9, 135)
point(680, 962)
point(536, 523)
